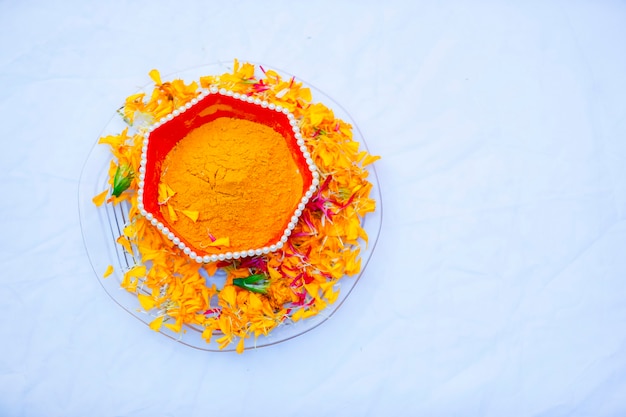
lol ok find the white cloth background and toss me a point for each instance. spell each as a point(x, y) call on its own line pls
point(498, 285)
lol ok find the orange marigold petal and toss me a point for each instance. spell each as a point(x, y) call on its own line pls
point(211, 268)
point(100, 198)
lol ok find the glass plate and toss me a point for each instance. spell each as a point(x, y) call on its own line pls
point(101, 226)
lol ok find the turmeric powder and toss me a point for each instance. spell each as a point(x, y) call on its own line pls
point(239, 177)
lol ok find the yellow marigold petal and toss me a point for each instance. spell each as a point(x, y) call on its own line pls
point(254, 302)
point(318, 113)
point(225, 325)
point(130, 230)
point(207, 81)
point(117, 200)
point(297, 315)
point(221, 241)
point(353, 266)
point(136, 271)
point(175, 327)
point(122, 240)
point(229, 294)
point(331, 295)
point(134, 98)
point(157, 323)
point(309, 313)
point(100, 198)
point(169, 191)
point(270, 74)
point(156, 76)
point(368, 159)
point(224, 341)
point(114, 141)
point(305, 94)
point(192, 214)
point(274, 274)
point(182, 91)
point(172, 213)
point(108, 271)
point(207, 333)
point(240, 345)
point(147, 302)
point(312, 288)
point(164, 192)
point(112, 169)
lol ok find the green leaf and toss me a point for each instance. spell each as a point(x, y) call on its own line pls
point(257, 283)
point(122, 179)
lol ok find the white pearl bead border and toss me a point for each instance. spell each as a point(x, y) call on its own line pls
point(294, 218)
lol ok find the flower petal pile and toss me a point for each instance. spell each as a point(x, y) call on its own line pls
point(261, 292)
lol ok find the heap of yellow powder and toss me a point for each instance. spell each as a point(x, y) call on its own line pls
point(241, 179)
